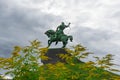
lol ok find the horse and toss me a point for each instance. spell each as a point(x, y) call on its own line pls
point(60, 38)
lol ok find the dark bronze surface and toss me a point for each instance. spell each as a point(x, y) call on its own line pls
point(53, 55)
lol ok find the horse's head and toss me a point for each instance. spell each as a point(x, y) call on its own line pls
point(49, 33)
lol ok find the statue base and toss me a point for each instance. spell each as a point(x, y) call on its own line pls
point(53, 55)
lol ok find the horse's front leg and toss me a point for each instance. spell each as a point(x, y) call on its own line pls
point(49, 43)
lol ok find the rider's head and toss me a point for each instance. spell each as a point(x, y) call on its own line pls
point(62, 23)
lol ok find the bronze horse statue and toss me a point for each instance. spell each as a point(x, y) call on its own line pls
point(60, 38)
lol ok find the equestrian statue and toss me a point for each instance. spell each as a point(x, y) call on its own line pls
point(59, 35)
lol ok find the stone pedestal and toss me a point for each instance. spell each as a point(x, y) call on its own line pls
point(53, 55)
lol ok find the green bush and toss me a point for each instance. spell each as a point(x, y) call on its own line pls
point(24, 64)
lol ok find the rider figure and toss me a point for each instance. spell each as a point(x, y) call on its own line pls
point(60, 28)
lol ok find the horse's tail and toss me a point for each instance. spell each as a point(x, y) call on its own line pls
point(71, 38)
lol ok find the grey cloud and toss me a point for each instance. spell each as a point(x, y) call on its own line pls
point(6, 49)
point(92, 34)
point(20, 25)
point(93, 39)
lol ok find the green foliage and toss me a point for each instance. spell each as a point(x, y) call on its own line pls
point(24, 64)
point(77, 52)
point(1, 77)
point(105, 62)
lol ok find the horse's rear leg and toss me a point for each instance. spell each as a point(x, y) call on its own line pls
point(64, 44)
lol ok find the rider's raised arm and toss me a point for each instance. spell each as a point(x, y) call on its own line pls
point(68, 25)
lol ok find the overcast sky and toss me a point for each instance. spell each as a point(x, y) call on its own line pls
point(94, 23)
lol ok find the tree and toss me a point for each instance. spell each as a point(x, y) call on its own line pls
point(24, 64)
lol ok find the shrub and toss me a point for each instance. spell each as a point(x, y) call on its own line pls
point(24, 64)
